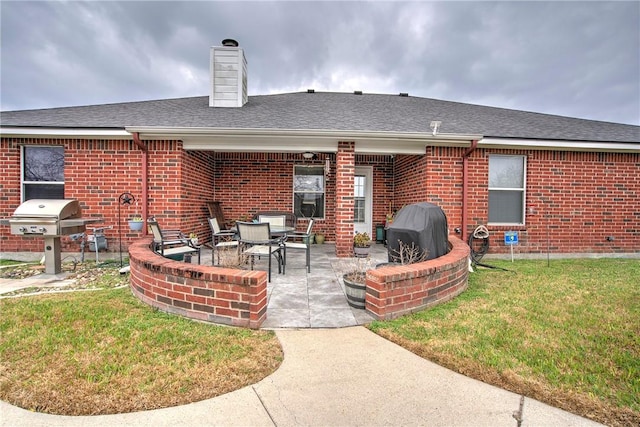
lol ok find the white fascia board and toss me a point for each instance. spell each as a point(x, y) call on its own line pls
point(557, 145)
point(64, 133)
point(300, 140)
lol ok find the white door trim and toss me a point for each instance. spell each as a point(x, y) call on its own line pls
point(367, 172)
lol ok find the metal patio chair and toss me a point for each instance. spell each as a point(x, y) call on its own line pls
point(303, 243)
point(172, 243)
point(220, 239)
point(255, 240)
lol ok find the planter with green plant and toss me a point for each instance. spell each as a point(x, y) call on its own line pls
point(136, 223)
point(361, 244)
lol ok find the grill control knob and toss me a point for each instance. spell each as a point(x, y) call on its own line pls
point(42, 229)
point(22, 229)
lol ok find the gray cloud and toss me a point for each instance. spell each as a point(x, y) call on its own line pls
point(579, 59)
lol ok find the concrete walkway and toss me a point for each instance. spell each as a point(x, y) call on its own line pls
point(345, 377)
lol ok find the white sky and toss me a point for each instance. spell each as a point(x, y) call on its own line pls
point(572, 58)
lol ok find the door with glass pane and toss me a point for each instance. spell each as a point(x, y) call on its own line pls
point(362, 200)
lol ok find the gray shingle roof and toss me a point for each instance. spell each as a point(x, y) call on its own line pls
point(329, 111)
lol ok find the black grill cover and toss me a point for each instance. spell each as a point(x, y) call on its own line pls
point(424, 224)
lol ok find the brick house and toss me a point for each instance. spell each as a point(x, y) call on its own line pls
point(566, 185)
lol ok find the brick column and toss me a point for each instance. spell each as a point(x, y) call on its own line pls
point(345, 170)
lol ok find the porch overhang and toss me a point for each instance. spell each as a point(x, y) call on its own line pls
point(292, 141)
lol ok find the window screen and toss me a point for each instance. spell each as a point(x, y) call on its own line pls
point(42, 172)
point(308, 191)
point(506, 189)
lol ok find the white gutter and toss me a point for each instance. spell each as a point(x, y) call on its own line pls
point(534, 144)
point(64, 133)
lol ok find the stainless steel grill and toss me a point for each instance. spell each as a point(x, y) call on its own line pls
point(51, 219)
point(47, 218)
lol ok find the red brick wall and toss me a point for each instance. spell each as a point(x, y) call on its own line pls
point(563, 202)
point(247, 183)
point(96, 173)
point(345, 172)
point(211, 294)
point(577, 199)
point(394, 291)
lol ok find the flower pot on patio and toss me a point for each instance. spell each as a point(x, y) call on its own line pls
point(136, 225)
point(320, 239)
point(356, 292)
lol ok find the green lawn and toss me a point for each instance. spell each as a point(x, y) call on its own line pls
point(106, 352)
point(567, 334)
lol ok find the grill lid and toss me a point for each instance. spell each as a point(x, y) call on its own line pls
point(423, 224)
point(49, 208)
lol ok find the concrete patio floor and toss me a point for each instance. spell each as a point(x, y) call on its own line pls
point(317, 299)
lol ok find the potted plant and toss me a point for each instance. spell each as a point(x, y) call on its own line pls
point(194, 239)
point(355, 280)
point(361, 244)
point(320, 238)
point(136, 223)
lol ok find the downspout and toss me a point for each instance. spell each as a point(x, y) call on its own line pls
point(465, 186)
point(145, 177)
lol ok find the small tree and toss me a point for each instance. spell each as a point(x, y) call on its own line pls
point(409, 254)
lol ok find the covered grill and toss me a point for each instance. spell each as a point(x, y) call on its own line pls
point(422, 224)
point(51, 219)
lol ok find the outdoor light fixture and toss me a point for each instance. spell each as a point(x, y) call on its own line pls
point(308, 155)
point(434, 125)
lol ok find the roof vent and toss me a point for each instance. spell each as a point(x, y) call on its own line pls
point(229, 43)
point(311, 91)
point(357, 92)
point(404, 94)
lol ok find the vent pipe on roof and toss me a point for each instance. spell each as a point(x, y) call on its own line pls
point(403, 94)
point(228, 75)
point(229, 43)
point(435, 125)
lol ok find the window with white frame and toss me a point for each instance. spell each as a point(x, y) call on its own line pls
point(42, 172)
point(359, 199)
point(308, 191)
point(507, 183)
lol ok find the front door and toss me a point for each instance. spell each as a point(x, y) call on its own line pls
point(362, 197)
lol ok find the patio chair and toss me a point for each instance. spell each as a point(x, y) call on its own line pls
point(220, 239)
point(273, 219)
point(255, 240)
point(172, 243)
point(290, 217)
point(304, 243)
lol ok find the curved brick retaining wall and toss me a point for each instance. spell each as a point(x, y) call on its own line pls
point(213, 294)
point(239, 297)
point(393, 291)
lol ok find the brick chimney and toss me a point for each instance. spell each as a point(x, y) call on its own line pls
point(228, 75)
